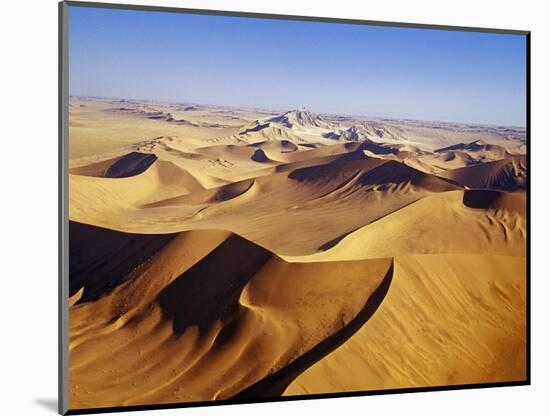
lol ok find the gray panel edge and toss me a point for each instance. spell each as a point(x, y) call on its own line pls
point(63, 220)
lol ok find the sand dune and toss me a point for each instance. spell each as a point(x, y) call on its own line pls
point(508, 174)
point(96, 169)
point(123, 166)
point(308, 196)
point(161, 180)
point(480, 149)
point(210, 300)
point(221, 253)
point(447, 319)
point(496, 227)
point(280, 146)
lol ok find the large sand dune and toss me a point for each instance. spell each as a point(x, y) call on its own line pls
point(202, 304)
point(447, 319)
point(509, 174)
point(442, 223)
point(221, 253)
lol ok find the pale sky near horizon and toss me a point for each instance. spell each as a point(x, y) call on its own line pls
point(334, 68)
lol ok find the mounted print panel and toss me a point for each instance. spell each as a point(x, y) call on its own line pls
point(262, 208)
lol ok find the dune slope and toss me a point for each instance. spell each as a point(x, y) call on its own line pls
point(210, 315)
point(508, 174)
point(442, 223)
point(447, 319)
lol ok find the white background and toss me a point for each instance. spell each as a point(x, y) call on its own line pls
point(28, 205)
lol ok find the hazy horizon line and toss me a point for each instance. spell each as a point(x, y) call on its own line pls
point(276, 110)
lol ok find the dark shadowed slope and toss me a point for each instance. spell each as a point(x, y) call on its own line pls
point(100, 259)
point(130, 165)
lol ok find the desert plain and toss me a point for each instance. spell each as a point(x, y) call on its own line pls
point(228, 253)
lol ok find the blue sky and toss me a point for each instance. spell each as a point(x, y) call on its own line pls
point(326, 67)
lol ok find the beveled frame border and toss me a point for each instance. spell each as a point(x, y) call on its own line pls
point(63, 228)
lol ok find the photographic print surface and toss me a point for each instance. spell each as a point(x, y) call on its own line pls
point(263, 208)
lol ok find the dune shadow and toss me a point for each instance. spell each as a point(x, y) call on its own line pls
point(392, 172)
point(377, 148)
point(309, 145)
point(231, 191)
point(101, 259)
point(210, 290)
point(275, 384)
point(259, 156)
point(132, 164)
point(480, 198)
point(254, 129)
